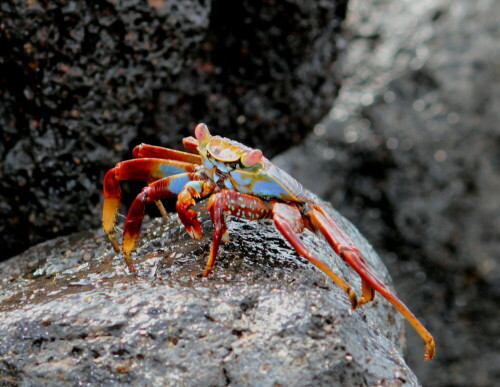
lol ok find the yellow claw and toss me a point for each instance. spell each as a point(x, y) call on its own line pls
point(128, 245)
point(109, 212)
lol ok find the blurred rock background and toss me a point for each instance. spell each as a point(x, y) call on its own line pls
point(411, 154)
point(82, 82)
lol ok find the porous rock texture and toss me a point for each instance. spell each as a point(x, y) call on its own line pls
point(82, 82)
point(72, 315)
point(410, 153)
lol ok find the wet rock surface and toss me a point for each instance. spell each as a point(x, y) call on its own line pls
point(81, 83)
point(72, 314)
point(410, 155)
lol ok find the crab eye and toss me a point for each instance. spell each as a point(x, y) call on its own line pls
point(201, 132)
point(251, 158)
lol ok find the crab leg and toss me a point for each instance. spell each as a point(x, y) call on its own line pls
point(158, 152)
point(231, 203)
point(161, 189)
point(191, 144)
point(145, 169)
point(344, 247)
point(288, 221)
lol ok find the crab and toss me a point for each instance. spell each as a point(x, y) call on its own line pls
point(238, 181)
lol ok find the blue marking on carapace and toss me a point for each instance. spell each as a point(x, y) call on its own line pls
point(271, 189)
point(242, 178)
point(259, 185)
point(221, 166)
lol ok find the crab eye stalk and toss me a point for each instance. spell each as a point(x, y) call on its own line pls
point(201, 133)
point(251, 158)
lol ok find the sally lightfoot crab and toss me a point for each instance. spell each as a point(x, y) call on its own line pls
point(238, 181)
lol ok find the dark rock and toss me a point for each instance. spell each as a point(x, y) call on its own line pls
point(410, 153)
point(82, 82)
point(71, 314)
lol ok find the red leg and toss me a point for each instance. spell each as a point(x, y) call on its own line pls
point(231, 203)
point(150, 169)
point(160, 189)
point(344, 247)
point(191, 144)
point(158, 152)
point(288, 221)
point(139, 169)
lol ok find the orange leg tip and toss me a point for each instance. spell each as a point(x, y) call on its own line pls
point(127, 247)
point(352, 298)
point(207, 271)
point(114, 243)
point(128, 261)
point(193, 233)
point(363, 300)
point(430, 349)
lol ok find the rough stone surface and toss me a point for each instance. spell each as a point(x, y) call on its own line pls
point(72, 314)
point(410, 153)
point(81, 82)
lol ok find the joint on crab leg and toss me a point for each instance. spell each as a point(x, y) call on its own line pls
point(186, 199)
point(231, 203)
point(342, 245)
point(289, 222)
point(160, 189)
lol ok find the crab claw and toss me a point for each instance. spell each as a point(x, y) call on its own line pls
point(194, 231)
point(186, 199)
point(187, 215)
